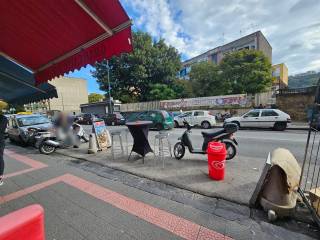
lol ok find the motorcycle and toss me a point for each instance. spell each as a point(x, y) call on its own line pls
point(48, 142)
point(226, 136)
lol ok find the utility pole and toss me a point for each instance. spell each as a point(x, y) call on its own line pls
point(109, 88)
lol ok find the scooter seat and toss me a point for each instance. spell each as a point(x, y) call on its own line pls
point(212, 134)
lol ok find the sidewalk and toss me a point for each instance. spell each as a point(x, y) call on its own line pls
point(189, 173)
point(84, 200)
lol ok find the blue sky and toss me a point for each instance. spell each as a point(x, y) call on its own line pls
point(292, 27)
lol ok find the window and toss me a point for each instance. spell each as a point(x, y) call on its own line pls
point(187, 114)
point(252, 114)
point(200, 113)
point(268, 113)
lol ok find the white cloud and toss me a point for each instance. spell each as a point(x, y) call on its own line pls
point(193, 26)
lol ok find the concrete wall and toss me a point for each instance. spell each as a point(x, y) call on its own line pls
point(252, 101)
point(295, 105)
point(71, 93)
point(264, 46)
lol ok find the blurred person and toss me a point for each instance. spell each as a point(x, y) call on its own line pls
point(3, 126)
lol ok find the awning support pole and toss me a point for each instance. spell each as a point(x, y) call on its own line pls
point(94, 16)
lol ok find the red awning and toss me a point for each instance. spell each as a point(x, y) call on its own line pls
point(51, 38)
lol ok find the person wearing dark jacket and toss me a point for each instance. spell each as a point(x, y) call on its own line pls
point(3, 126)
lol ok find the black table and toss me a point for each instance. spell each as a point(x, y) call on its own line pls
point(139, 131)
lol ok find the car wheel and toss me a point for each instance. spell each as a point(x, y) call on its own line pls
point(159, 126)
point(280, 126)
point(176, 124)
point(205, 125)
point(179, 150)
point(22, 142)
point(238, 124)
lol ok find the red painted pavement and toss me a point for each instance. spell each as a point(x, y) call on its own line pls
point(33, 164)
point(170, 222)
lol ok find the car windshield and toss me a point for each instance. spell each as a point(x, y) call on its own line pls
point(165, 114)
point(34, 120)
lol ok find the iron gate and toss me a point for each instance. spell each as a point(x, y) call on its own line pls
point(309, 185)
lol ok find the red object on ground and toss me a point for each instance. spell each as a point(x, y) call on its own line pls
point(51, 38)
point(216, 160)
point(26, 223)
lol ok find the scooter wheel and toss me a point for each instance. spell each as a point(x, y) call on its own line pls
point(231, 150)
point(179, 150)
point(46, 149)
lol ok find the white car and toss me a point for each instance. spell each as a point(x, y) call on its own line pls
point(202, 118)
point(262, 118)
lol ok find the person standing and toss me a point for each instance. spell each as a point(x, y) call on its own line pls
point(3, 126)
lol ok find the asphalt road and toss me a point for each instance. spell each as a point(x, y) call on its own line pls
point(255, 143)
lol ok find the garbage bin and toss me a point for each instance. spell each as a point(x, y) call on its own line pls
point(216, 160)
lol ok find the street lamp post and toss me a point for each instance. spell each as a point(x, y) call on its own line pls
point(109, 88)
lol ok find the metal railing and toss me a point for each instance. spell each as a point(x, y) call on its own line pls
point(311, 89)
point(309, 186)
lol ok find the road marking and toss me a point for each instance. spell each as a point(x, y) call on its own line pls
point(33, 164)
point(165, 220)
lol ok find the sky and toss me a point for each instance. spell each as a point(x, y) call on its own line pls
point(292, 27)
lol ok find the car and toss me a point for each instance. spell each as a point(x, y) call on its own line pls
point(262, 118)
point(20, 127)
point(114, 119)
point(197, 117)
point(86, 118)
point(160, 119)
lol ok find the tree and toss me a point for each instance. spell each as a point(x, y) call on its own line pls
point(182, 88)
point(161, 92)
point(95, 97)
point(247, 71)
point(133, 75)
point(205, 80)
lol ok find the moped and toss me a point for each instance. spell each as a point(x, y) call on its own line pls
point(226, 136)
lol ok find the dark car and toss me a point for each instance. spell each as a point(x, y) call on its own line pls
point(160, 119)
point(21, 127)
point(86, 118)
point(114, 119)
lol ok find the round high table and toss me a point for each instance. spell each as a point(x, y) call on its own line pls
point(139, 131)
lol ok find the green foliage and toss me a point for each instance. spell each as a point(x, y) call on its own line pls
point(133, 75)
point(247, 71)
point(95, 97)
point(206, 81)
point(182, 88)
point(161, 92)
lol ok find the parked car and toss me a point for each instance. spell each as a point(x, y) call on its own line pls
point(199, 117)
point(160, 119)
point(262, 118)
point(21, 127)
point(114, 119)
point(86, 118)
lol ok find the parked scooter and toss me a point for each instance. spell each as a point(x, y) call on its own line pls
point(225, 136)
point(48, 142)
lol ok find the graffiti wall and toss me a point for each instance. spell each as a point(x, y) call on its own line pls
point(215, 101)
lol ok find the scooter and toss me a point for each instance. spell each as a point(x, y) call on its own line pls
point(225, 136)
point(48, 142)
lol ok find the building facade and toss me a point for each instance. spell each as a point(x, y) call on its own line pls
point(280, 75)
point(72, 92)
point(255, 41)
